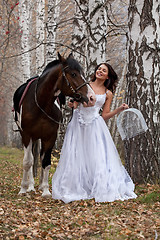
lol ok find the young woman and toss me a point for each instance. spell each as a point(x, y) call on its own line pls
point(89, 165)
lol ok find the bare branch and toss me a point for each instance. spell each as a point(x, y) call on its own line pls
point(43, 43)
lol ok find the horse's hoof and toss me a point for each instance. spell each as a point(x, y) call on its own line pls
point(46, 194)
point(22, 191)
point(31, 189)
point(40, 188)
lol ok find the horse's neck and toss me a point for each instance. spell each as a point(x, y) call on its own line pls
point(48, 88)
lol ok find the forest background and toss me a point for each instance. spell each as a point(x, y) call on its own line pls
point(126, 34)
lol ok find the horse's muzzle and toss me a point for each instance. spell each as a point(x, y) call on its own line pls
point(78, 97)
point(90, 99)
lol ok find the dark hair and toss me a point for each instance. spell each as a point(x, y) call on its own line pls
point(112, 80)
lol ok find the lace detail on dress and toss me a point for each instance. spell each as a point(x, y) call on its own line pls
point(87, 114)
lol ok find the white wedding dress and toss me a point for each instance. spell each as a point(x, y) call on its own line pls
point(89, 165)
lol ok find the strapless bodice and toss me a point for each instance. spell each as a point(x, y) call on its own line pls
point(87, 114)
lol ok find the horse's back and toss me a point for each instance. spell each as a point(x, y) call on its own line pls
point(17, 96)
point(19, 92)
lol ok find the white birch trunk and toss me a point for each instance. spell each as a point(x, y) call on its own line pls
point(89, 39)
point(40, 35)
point(97, 31)
point(53, 13)
point(143, 153)
point(79, 38)
point(24, 21)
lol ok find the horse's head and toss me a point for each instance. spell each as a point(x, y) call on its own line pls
point(74, 83)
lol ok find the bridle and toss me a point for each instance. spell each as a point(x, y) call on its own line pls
point(77, 96)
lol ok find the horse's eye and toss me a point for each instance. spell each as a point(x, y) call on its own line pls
point(73, 74)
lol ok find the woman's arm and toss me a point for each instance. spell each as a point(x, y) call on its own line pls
point(106, 114)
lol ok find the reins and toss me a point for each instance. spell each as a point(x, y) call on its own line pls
point(36, 101)
point(72, 89)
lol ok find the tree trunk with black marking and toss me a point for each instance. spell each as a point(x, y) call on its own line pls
point(143, 85)
point(90, 31)
point(51, 26)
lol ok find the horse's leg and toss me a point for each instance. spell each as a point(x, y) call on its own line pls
point(30, 180)
point(36, 152)
point(46, 165)
point(41, 174)
point(27, 170)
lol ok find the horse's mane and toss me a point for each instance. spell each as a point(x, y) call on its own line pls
point(49, 67)
point(73, 64)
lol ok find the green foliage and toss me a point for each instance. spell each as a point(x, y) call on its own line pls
point(150, 198)
point(12, 155)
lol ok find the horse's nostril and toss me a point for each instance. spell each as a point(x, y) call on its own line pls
point(91, 98)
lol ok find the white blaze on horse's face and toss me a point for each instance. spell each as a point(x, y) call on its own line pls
point(91, 96)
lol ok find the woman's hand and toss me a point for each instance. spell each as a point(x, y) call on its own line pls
point(123, 107)
point(71, 104)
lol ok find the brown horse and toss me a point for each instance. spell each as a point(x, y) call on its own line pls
point(38, 116)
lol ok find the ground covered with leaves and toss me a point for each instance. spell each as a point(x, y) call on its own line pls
point(34, 217)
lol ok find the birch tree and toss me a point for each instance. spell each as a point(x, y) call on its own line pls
point(25, 16)
point(40, 35)
point(51, 26)
point(80, 31)
point(97, 31)
point(143, 88)
point(90, 32)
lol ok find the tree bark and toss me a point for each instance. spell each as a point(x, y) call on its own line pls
point(90, 27)
point(52, 14)
point(25, 15)
point(40, 36)
point(97, 32)
point(80, 32)
point(143, 89)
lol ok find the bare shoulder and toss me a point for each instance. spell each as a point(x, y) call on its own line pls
point(109, 94)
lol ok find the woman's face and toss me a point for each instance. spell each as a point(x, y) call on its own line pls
point(102, 72)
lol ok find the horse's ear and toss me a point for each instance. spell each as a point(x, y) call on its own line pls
point(61, 59)
point(70, 55)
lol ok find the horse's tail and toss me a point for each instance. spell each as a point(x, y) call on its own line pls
point(36, 154)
